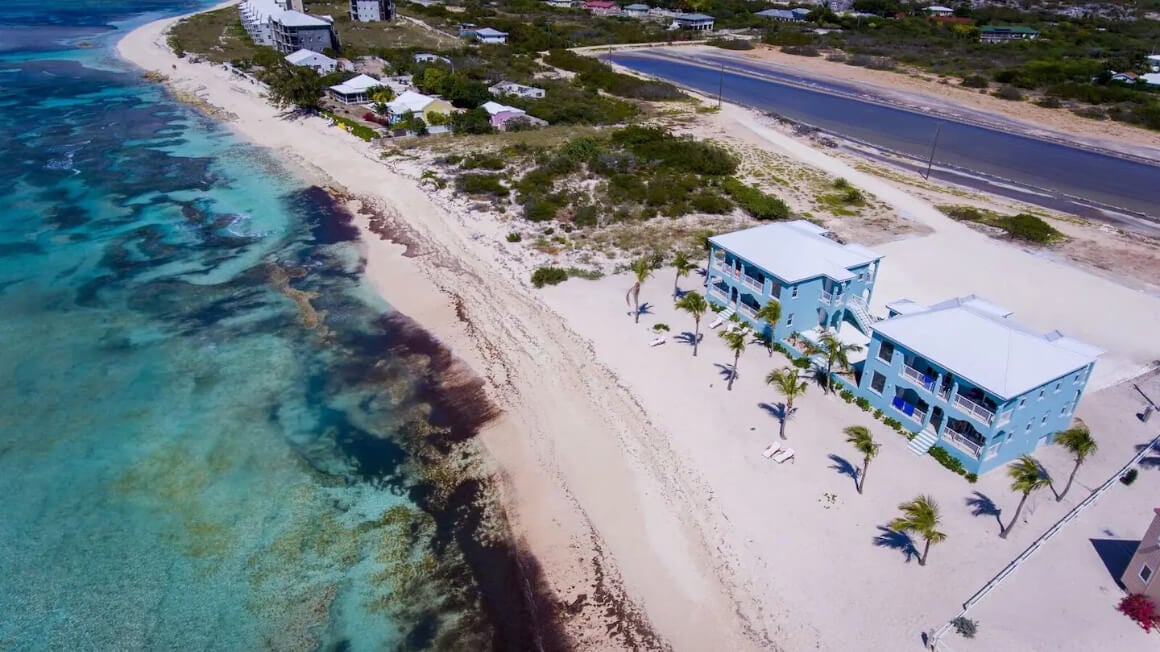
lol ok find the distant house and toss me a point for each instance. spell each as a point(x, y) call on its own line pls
point(368, 11)
point(1004, 33)
point(937, 10)
point(800, 12)
point(560, 4)
point(429, 57)
point(635, 10)
point(783, 15)
point(294, 30)
point(355, 91)
point(417, 104)
point(1140, 575)
point(602, 7)
point(698, 22)
point(1152, 79)
point(517, 90)
point(963, 375)
point(1126, 77)
point(1153, 62)
point(485, 35)
point(321, 63)
point(501, 115)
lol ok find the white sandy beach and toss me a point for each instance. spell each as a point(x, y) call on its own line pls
point(638, 458)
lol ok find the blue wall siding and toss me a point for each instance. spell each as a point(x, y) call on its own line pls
point(802, 304)
point(1019, 426)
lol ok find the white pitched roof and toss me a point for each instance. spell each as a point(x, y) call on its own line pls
point(409, 101)
point(306, 56)
point(796, 251)
point(493, 108)
point(293, 18)
point(358, 84)
point(484, 32)
point(977, 340)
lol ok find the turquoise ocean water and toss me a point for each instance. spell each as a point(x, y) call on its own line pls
point(187, 460)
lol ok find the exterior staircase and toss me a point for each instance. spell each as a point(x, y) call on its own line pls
point(861, 313)
point(922, 442)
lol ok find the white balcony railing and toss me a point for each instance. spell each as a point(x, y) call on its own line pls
point(753, 283)
point(747, 310)
point(717, 292)
point(916, 376)
point(968, 446)
point(973, 409)
point(919, 416)
point(827, 297)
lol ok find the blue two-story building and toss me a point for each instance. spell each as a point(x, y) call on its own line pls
point(963, 375)
point(819, 282)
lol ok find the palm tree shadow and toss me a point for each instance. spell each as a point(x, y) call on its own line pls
point(1149, 461)
point(686, 337)
point(725, 370)
point(844, 467)
point(817, 373)
point(982, 505)
point(895, 540)
point(645, 309)
point(777, 411)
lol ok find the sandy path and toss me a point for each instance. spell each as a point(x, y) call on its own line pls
point(590, 483)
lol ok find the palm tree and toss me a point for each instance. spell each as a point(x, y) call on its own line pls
point(864, 442)
point(921, 517)
point(1027, 475)
point(771, 313)
point(1078, 441)
point(836, 353)
point(735, 342)
point(683, 266)
point(695, 305)
point(642, 269)
point(787, 382)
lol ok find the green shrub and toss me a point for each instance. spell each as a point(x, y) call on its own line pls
point(1009, 93)
point(972, 477)
point(755, 202)
point(481, 184)
point(548, 276)
point(1129, 477)
point(802, 362)
point(862, 403)
point(878, 414)
point(484, 161)
point(710, 202)
point(965, 627)
point(1049, 102)
point(975, 81)
point(514, 237)
point(847, 395)
point(1030, 229)
point(593, 73)
point(941, 455)
point(802, 50)
point(731, 43)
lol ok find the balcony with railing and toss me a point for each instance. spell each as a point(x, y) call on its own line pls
point(963, 443)
point(716, 292)
point(908, 409)
point(753, 283)
point(974, 409)
point(919, 378)
point(747, 310)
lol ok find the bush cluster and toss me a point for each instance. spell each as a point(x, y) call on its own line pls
point(481, 184)
point(941, 455)
point(1024, 227)
point(593, 73)
point(758, 204)
point(549, 276)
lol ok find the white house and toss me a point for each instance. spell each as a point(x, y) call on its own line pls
point(367, 11)
point(636, 10)
point(560, 4)
point(517, 90)
point(355, 91)
point(937, 10)
point(1152, 79)
point(698, 22)
point(429, 57)
point(1154, 62)
point(490, 36)
point(321, 63)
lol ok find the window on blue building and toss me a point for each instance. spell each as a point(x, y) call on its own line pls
point(877, 382)
point(886, 351)
point(1145, 572)
point(793, 292)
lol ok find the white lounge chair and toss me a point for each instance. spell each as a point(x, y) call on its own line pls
point(771, 450)
point(785, 455)
point(658, 341)
point(717, 322)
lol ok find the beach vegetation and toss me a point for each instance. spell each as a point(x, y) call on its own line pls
point(863, 442)
point(475, 121)
point(214, 35)
point(682, 266)
point(788, 382)
point(514, 237)
point(694, 304)
point(965, 627)
point(293, 86)
point(731, 43)
point(1128, 478)
point(660, 327)
point(835, 353)
point(356, 129)
point(1022, 227)
point(1079, 442)
point(735, 341)
point(948, 461)
point(1027, 476)
point(595, 74)
point(481, 184)
point(548, 276)
point(641, 271)
point(757, 204)
point(921, 516)
point(1009, 93)
point(863, 403)
point(1141, 609)
point(975, 81)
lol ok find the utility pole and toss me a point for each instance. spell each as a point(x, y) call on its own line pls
point(933, 145)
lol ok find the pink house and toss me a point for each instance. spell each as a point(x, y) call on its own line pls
point(602, 7)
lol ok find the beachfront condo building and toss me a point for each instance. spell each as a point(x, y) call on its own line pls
point(820, 282)
point(370, 11)
point(963, 375)
point(277, 24)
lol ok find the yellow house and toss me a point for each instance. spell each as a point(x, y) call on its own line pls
point(418, 104)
